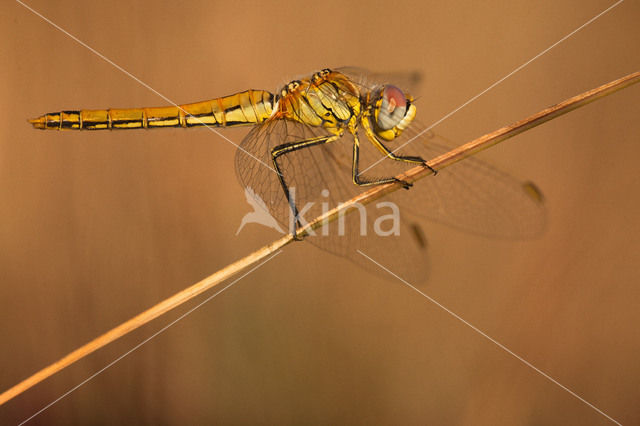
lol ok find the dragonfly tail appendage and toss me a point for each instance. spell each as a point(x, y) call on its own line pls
point(244, 108)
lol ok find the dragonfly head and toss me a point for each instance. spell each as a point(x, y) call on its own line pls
point(393, 111)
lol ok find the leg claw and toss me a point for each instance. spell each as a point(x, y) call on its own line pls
point(405, 184)
point(435, 172)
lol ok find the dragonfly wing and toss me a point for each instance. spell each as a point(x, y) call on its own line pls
point(307, 171)
point(320, 176)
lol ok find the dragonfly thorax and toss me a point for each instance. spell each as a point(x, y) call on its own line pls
point(327, 99)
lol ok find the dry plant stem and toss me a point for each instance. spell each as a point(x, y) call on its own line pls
point(366, 197)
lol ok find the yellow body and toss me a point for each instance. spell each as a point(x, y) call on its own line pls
point(327, 99)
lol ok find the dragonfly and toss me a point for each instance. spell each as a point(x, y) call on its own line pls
point(321, 140)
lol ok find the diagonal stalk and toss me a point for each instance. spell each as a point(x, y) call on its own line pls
point(366, 197)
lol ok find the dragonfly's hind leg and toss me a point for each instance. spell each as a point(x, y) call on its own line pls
point(288, 148)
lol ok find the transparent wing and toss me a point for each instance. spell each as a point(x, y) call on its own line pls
point(308, 171)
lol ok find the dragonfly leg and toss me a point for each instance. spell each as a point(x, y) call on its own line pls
point(388, 153)
point(406, 158)
point(288, 148)
point(358, 180)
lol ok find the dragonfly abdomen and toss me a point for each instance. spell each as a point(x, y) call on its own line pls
point(243, 108)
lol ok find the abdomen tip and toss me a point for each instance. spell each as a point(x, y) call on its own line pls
point(39, 123)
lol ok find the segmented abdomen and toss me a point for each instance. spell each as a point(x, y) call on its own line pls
point(244, 108)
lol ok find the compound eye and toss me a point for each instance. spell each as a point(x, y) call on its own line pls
point(392, 108)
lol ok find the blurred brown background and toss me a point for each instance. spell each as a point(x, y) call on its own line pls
point(96, 227)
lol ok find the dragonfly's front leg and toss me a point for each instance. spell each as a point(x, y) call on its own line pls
point(388, 153)
point(406, 158)
point(288, 148)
